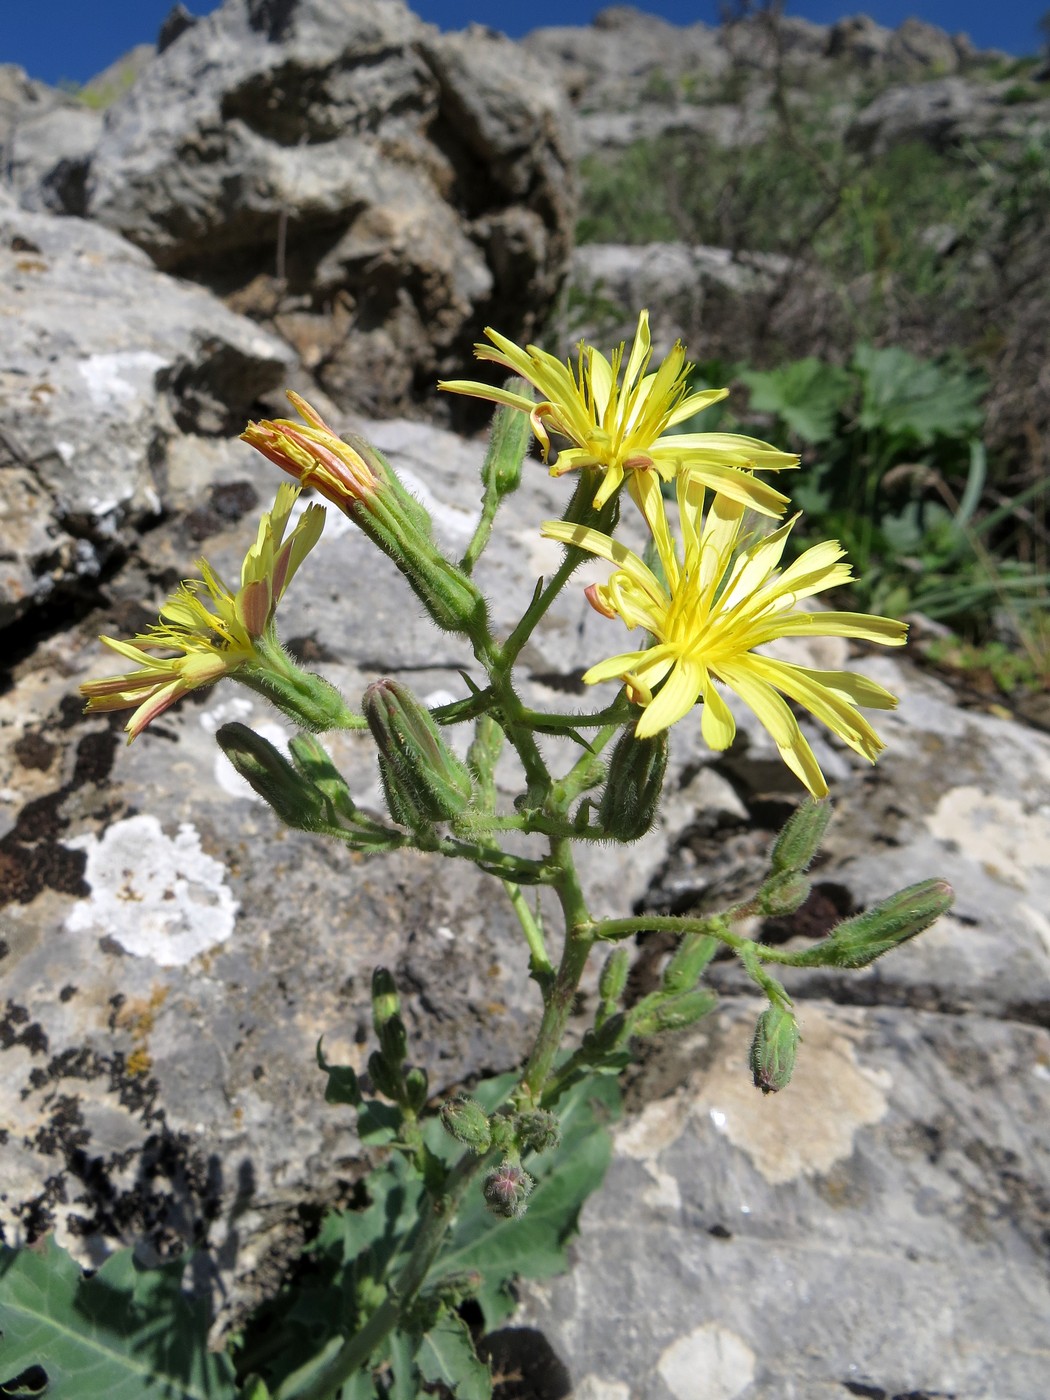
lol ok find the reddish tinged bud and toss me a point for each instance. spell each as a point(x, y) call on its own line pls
point(507, 1190)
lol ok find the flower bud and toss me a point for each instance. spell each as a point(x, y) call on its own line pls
point(386, 1003)
point(783, 893)
point(508, 444)
point(672, 1013)
point(632, 790)
point(311, 759)
point(423, 780)
point(294, 799)
point(607, 1036)
point(614, 975)
point(385, 1078)
point(688, 961)
point(465, 1120)
point(507, 1190)
point(800, 839)
point(538, 1130)
point(417, 1087)
point(773, 1049)
point(858, 941)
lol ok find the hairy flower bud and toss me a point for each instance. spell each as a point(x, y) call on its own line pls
point(798, 843)
point(664, 1013)
point(632, 790)
point(385, 1078)
point(507, 1189)
point(508, 443)
point(614, 975)
point(292, 796)
point(538, 1130)
point(422, 779)
point(417, 1087)
point(688, 961)
point(783, 893)
point(773, 1049)
point(465, 1120)
point(858, 941)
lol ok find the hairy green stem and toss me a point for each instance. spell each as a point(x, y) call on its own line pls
point(579, 939)
point(540, 965)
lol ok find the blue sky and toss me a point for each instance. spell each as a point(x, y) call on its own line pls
point(72, 40)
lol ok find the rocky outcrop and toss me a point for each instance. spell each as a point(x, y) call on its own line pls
point(375, 189)
point(105, 361)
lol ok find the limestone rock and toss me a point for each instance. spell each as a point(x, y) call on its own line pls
point(105, 360)
point(376, 189)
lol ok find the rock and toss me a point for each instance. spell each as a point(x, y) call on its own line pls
point(877, 1228)
point(687, 289)
point(46, 137)
point(378, 189)
point(105, 361)
point(942, 113)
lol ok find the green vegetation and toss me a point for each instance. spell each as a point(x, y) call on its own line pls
point(899, 340)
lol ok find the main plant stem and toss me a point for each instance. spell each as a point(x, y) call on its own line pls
point(355, 1353)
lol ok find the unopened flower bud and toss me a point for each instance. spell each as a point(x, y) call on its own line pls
point(798, 843)
point(465, 1120)
point(507, 1190)
point(294, 799)
point(858, 941)
point(422, 779)
point(607, 1036)
point(672, 1013)
point(385, 1078)
point(508, 444)
point(688, 961)
point(538, 1130)
point(417, 1087)
point(386, 1003)
point(311, 759)
point(632, 790)
point(782, 894)
point(773, 1049)
point(614, 975)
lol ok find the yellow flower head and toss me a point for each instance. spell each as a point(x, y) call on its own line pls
point(212, 630)
point(717, 604)
point(620, 424)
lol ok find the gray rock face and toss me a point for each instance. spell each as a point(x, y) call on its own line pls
point(682, 284)
point(104, 361)
point(941, 113)
point(379, 190)
point(879, 1226)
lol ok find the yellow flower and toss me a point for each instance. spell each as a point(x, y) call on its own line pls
point(213, 631)
point(620, 425)
point(315, 455)
point(714, 607)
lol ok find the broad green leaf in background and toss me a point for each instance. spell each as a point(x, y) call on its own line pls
point(126, 1333)
point(914, 399)
point(808, 395)
point(446, 1354)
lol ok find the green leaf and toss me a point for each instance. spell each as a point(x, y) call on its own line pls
point(127, 1333)
point(916, 400)
point(808, 395)
point(446, 1354)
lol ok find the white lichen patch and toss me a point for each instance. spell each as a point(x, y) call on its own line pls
point(807, 1127)
point(1010, 844)
point(158, 896)
point(710, 1363)
point(116, 380)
